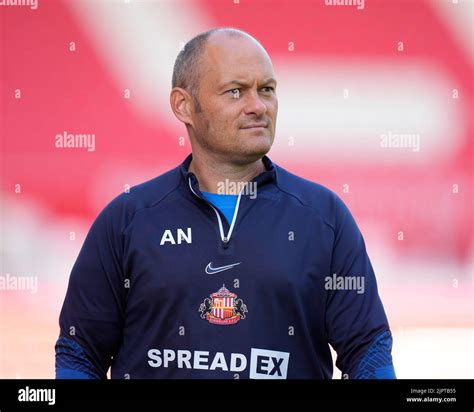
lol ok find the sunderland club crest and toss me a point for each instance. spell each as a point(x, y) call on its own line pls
point(223, 308)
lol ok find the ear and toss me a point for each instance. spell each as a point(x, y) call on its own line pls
point(182, 105)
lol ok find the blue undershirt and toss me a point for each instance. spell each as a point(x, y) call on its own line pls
point(225, 203)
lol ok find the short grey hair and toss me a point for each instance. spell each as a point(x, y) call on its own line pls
point(188, 68)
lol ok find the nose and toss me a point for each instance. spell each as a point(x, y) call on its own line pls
point(254, 105)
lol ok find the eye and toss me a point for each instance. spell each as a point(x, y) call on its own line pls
point(235, 93)
point(268, 89)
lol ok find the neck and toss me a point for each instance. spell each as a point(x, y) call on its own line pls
point(213, 173)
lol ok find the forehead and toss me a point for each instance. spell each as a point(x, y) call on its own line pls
point(235, 57)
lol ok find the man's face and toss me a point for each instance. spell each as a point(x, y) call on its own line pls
point(238, 100)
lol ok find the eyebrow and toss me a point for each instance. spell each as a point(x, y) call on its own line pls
point(245, 84)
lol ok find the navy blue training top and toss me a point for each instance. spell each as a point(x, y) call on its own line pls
point(166, 287)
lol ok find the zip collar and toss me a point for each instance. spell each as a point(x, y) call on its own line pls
point(225, 238)
point(267, 176)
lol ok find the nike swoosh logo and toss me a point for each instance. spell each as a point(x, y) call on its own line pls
point(212, 271)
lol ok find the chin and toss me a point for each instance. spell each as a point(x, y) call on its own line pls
point(253, 153)
point(261, 146)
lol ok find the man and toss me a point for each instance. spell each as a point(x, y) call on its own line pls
point(227, 266)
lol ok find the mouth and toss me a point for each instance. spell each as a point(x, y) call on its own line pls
point(255, 126)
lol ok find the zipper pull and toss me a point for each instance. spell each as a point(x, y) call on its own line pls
point(225, 242)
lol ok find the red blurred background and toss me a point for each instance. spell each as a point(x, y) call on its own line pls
point(348, 77)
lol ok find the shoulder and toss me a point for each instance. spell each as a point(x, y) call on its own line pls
point(315, 196)
point(121, 210)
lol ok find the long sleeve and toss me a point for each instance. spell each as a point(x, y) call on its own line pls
point(92, 314)
point(356, 323)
